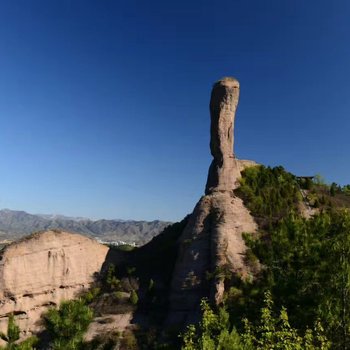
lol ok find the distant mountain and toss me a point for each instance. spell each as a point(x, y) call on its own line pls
point(61, 217)
point(15, 224)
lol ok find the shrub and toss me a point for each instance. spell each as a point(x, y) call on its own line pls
point(271, 332)
point(134, 299)
point(68, 324)
point(111, 281)
point(90, 295)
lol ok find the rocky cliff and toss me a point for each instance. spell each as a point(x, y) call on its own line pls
point(43, 269)
point(212, 239)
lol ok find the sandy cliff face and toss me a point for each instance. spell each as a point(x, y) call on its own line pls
point(212, 238)
point(42, 270)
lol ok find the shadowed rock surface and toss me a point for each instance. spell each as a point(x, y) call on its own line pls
point(212, 238)
point(43, 269)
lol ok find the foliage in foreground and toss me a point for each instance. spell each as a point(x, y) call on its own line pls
point(12, 336)
point(307, 269)
point(272, 332)
point(68, 324)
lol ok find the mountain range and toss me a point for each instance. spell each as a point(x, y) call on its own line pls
point(15, 224)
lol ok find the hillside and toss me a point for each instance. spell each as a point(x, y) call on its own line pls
point(15, 224)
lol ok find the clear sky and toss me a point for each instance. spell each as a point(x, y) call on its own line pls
point(104, 104)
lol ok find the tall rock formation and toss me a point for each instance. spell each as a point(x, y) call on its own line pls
point(42, 270)
point(212, 239)
point(223, 171)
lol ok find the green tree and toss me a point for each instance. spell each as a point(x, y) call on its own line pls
point(275, 332)
point(111, 281)
point(68, 324)
point(13, 335)
point(212, 333)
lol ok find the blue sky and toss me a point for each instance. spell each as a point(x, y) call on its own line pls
point(104, 104)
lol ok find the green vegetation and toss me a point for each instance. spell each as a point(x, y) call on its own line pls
point(68, 324)
point(12, 336)
point(134, 297)
point(271, 332)
point(112, 283)
point(90, 295)
point(307, 268)
point(121, 287)
point(270, 193)
point(123, 247)
point(306, 262)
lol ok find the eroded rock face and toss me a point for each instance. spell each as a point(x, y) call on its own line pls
point(41, 271)
point(212, 239)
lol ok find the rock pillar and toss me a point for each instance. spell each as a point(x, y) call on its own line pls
point(212, 240)
point(223, 171)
